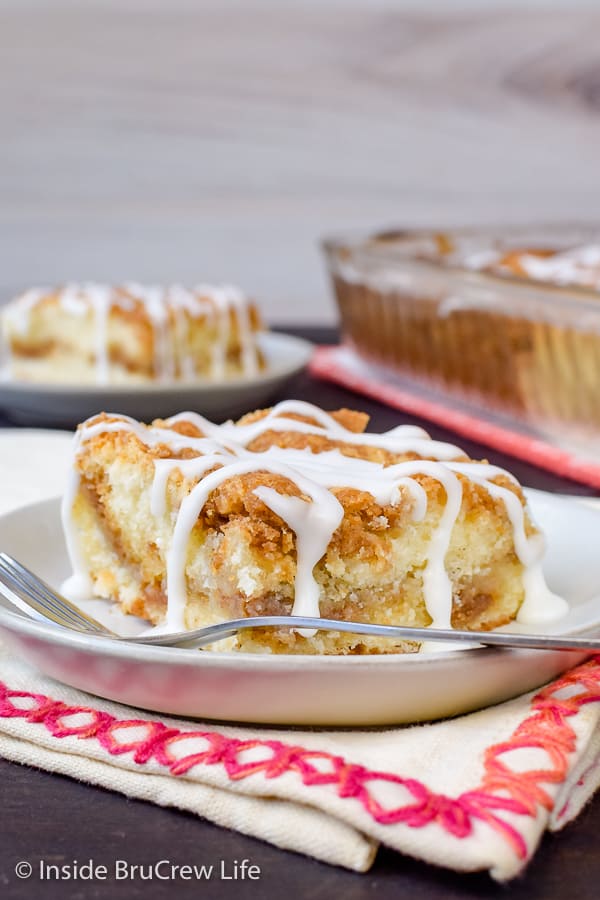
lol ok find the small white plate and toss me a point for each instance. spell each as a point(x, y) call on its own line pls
point(303, 690)
point(58, 404)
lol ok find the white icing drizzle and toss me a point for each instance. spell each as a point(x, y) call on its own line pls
point(579, 265)
point(541, 604)
point(17, 313)
point(100, 298)
point(189, 468)
point(332, 469)
point(184, 304)
point(155, 301)
point(220, 312)
point(402, 439)
point(224, 455)
point(168, 310)
point(79, 585)
point(437, 587)
point(311, 522)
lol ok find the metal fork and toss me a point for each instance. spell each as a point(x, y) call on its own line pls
point(33, 593)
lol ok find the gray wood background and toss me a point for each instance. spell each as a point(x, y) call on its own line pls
point(218, 140)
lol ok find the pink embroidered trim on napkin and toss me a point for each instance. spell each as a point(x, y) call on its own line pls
point(547, 727)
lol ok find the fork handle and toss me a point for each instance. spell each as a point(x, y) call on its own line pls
point(204, 636)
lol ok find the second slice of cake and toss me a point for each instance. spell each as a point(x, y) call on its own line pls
point(132, 333)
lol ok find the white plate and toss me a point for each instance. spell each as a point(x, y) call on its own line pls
point(58, 404)
point(303, 690)
point(34, 465)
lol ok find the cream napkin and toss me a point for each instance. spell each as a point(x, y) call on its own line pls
point(472, 793)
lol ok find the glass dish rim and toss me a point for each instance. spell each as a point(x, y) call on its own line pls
point(361, 241)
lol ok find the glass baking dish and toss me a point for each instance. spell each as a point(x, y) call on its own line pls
point(420, 304)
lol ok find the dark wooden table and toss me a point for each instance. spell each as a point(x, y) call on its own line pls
point(51, 817)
